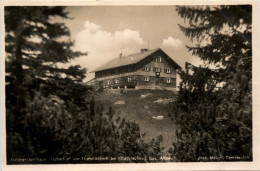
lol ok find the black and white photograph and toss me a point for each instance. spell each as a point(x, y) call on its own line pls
point(124, 84)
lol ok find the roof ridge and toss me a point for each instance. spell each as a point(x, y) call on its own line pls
point(138, 53)
point(124, 60)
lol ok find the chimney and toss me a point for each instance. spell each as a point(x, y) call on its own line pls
point(143, 50)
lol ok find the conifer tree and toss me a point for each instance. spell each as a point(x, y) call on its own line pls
point(35, 47)
point(48, 111)
point(214, 108)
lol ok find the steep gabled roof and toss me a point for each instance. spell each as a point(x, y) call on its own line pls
point(127, 60)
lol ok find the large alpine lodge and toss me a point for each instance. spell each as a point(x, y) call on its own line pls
point(146, 69)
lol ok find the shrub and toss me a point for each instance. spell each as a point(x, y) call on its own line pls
point(55, 130)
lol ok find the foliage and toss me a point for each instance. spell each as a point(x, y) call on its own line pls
point(214, 106)
point(48, 111)
point(36, 48)
point(53, 130)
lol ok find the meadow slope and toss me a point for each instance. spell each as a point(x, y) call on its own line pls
point(143, 111)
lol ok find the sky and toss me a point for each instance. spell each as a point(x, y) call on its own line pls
point(106, 31)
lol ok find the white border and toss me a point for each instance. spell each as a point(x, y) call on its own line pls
point(255, 165)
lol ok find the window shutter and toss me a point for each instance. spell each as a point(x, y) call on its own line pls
point(153, 69)
point(165, 70)
point(143, 68)
point(174, 81)
point(160, 69)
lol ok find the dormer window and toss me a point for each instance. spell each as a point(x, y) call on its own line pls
point(158, 59)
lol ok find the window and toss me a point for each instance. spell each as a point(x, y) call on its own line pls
point(130, 68)
point(117, 71)
point(158, 59)
point(155, 69)
point(123, 70)
point(146, 68)
point(146, 78)
point(116, 81)
point(108, 82)
point(97, 74)
point(167, 70)
point(112, 71)
point(129, 79)
point(168, 80)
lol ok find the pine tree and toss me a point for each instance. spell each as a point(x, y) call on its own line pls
point(215, 100)
point(48, 111)
point(35, 48)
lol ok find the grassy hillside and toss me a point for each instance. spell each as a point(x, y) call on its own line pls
point(143, 111)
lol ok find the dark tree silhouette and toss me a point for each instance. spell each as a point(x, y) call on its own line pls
point(214, 108)
point(49, 112)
